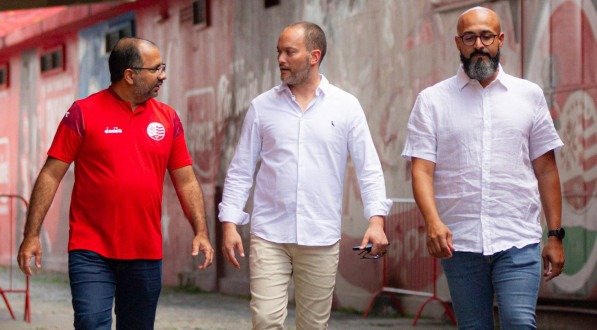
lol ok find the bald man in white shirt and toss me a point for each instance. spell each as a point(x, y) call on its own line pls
point(303, 132)
point(482, 149)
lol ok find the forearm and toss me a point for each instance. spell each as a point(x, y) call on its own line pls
point(551, 199)
point(423, 192)
point(43, 193)
point(190, 197)
point(191, 200)
point(548, 181)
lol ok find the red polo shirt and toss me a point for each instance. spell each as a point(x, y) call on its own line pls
point(120, 160)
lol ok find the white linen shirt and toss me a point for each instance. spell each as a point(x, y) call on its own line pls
point(483, 142)
point(299, 185)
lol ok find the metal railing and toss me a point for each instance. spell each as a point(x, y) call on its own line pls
point(12, 287)
point(408, 268)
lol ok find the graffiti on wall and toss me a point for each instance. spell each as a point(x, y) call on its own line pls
point(572, 97)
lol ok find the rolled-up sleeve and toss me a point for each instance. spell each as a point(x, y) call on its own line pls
point(421, 141)
point(239, 178)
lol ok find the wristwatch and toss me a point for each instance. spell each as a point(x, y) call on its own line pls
point(558, 233)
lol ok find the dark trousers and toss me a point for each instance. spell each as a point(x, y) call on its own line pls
point(96, 282)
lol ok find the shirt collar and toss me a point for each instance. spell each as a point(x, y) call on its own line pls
point(502, 78)
point(323, 88)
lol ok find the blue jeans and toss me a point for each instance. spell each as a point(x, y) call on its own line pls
point(513, 276)
point(96, 282)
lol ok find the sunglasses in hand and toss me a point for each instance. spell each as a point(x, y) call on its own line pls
point(365, 252)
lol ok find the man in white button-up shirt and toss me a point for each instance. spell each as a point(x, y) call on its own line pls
point(303, 132)
point(482, 149)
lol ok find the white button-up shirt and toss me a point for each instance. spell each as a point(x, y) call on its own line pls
point(299, 185)
point(483, 141)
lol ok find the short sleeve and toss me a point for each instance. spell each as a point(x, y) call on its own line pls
point(69, 135)
point(179, 154)
point(421, 141)
point(544, 136)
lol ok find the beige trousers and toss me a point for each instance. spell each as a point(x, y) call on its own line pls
point(313, 269)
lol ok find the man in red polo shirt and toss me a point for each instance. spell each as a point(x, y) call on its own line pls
point(122, 141)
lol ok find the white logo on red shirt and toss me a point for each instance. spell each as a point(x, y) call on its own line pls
point(156, 131)
point(113, 130)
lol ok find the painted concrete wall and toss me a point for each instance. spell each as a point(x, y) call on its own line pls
point(384, 52)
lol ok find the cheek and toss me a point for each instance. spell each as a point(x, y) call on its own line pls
point(465, 52)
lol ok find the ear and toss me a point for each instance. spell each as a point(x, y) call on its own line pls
point(457, 42)
point(128, 76)
point(315, 56)
point(501, 39)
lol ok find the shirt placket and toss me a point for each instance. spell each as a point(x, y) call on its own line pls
point(486, 171)
point(300, 206)
point(301, 179)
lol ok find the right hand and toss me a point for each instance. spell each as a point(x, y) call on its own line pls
point(231, 242)
point(439, 240)
point(30, 247)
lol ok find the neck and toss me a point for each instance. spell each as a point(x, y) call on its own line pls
point(125, 94)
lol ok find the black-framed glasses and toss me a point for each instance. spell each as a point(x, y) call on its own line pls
point(159, 69)
point(470, 39)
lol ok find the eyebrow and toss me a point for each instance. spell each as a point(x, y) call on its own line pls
point(480, 32)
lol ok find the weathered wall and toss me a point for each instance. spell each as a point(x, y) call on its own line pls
point(384, 52)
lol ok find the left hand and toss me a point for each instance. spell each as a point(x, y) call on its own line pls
point(376, 235)
point(553, 258)
point(201, 243)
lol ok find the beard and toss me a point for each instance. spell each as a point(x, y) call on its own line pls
point(480, 70)
point(144, 90)
point(297, 76)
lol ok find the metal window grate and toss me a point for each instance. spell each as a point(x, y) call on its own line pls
point(52, 59)
point(118, 32)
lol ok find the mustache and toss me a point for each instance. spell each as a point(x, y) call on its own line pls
point(479, 52)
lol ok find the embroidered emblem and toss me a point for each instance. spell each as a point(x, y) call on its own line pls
point(156, 131)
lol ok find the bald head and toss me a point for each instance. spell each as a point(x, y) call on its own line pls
point(314, 37)
point(127, 54)
point(476, 16)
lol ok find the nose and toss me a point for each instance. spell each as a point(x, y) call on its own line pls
point(162, 76)
point(281, 58)
point(478, 43)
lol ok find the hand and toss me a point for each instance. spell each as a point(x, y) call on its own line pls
point(231, 241)
point(553, 258)
point(30, 247)
point(201, 243)
point(376, 236)
point(439, 240)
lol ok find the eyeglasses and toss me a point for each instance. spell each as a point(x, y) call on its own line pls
point(159, 69)
point(470, 39)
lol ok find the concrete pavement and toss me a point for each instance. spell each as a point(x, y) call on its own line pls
point(177, 309)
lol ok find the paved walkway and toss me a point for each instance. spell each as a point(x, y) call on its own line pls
point(51, 309)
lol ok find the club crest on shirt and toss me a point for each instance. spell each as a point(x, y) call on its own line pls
point(156, 131)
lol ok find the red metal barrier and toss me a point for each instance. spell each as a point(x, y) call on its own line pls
point(12, 219)
point(407, 267)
